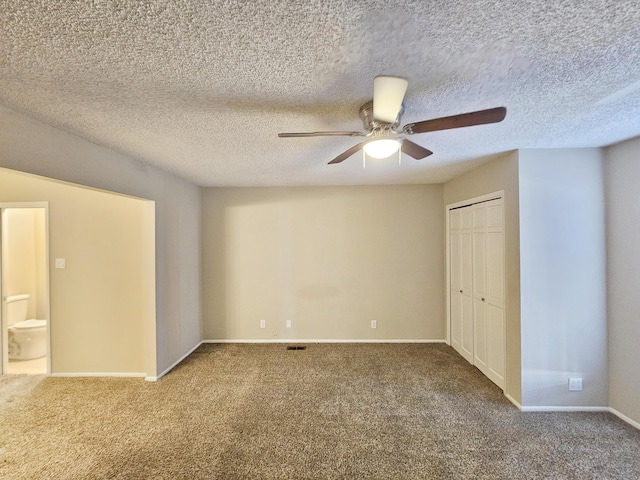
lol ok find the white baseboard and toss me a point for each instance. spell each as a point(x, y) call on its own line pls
point(323, 340)
point(98, 374)
point(550, 408)
point(622, 416)
point(172, 366)
point(555, 408)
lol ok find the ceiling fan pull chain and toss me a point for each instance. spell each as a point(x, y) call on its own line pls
point(399, 156)
point(364, 159)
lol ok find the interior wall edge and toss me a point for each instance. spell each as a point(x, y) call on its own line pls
point(622, 174)
point(154, 378)
point(623, 417)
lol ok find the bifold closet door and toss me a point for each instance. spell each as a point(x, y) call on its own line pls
point(461, 290)
point(477, 286)
point(495, 303)
point(455, 284)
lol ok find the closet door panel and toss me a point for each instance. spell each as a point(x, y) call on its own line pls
point(456, 320)
point(495, 345)
point(467, 328)
point(495, 293)
point(455, 286)
point(466, 218)
point(466, 279)
point(480, 335)
point(466, 262)
point(455, 272)
point(479, 263)
point(479, 287)
point(495, 270)
point(494, 213)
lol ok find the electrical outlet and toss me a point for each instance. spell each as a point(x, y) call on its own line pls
point(374, 324)
point(263, 323)
point(575, 384)
point(288, 323)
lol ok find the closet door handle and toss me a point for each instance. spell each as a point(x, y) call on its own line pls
point(483, 299)
point(460, 291)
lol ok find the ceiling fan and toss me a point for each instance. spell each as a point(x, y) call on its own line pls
point(381, 118)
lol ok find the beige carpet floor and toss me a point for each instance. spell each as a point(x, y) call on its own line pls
point(353, 411)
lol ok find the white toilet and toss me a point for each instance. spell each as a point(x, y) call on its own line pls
point(27, 338)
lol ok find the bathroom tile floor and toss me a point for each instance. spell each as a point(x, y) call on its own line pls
point(37, 366)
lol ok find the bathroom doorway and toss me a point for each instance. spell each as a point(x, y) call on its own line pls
point(24, 287)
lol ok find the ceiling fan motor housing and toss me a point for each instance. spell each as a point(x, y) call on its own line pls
point(366, 114)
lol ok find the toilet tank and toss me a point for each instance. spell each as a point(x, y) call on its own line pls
point(17, 308)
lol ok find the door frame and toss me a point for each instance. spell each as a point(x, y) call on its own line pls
point(447, 245)
point(4, 354)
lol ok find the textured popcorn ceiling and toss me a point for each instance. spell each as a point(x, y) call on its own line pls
point(201, 88)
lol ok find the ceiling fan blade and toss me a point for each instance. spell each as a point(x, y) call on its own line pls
point(322, 134)
point(481, 117)
point(388, 94)
point(414, 150)
point(344, 155)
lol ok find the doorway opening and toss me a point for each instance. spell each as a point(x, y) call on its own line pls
point(24, 288)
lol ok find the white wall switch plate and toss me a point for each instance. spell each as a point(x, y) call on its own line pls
point(61, 263)
point(288, 323)
point(374, 324)
point(575, 384)
point(263, 323)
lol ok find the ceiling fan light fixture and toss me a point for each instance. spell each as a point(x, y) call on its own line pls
point(381, 118)
point(382, 148)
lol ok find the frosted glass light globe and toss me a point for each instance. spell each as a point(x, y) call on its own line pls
point(381, 148)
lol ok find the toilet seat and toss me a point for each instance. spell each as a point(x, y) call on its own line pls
point(27, 324)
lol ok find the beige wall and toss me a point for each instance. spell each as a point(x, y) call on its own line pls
point(31, 146)
point(20, 247)
point(331, 259)
point(99, 302)
point(622, 169)
point(501, 174)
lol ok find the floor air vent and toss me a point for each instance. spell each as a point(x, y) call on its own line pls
point(296, 348)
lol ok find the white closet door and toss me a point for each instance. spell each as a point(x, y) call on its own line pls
point(455, 298)
point(495, 345)
point(495, 293)
point(479, 288)
point(466, 282)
